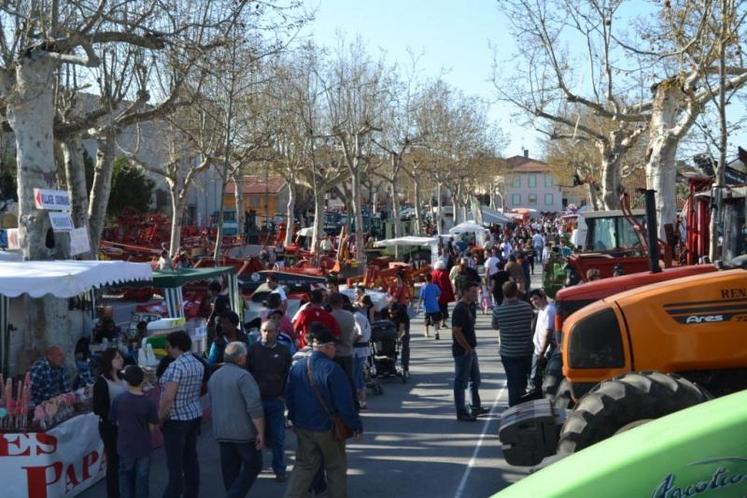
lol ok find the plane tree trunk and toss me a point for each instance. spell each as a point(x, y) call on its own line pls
point(72, 152)
point(290, 209)
point(102, 186)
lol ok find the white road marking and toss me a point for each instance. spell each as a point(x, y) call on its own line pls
point(465, 476)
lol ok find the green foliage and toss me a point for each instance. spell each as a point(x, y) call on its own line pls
point(130, 189)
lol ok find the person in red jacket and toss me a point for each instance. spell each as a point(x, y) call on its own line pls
point(400, 290)
point(441, 279)
point(314, 312)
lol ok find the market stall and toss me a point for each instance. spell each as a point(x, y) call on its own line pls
point(413, 241)
point(173, 282)
point(61, 279)
point(469, 227)
point(51, 449)
point(494, 217)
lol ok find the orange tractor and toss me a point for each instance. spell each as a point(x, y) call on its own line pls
point(637, 356)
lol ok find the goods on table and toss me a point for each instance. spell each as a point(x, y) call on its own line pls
point(17, 409)
point(14, 414)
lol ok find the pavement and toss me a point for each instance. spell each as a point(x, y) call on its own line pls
point(412, 446)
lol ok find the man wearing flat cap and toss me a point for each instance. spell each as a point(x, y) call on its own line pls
point(317, 388)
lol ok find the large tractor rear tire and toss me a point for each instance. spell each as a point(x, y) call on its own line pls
point(563, 399)
point(624, 402)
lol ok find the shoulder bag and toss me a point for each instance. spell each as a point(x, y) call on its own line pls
point(340, 431)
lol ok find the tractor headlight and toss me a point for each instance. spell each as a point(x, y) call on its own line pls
point(595, 342)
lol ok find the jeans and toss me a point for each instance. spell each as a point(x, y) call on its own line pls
point(275, 432)
point(553, 372)
point(538, 253)
point(517, 374)
point(240, 464)
point(180, 443)
point(108, 433)
point(346, 363)
point(466, 370)
point(317, 450)
point(405, 341)
point(134, 477)
point(358, 372)
point(537, 371)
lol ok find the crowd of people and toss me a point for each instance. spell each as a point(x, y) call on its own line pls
point(314, 374)
point(306, 371)
point(524, 317)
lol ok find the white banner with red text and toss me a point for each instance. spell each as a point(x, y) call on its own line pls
point(59, 463)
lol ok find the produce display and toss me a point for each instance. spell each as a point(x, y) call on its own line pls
point(14, 415)
point(19, 414)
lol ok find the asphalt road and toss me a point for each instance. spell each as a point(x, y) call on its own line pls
point(413, 446)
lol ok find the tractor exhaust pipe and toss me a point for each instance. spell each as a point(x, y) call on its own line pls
point(652, 232)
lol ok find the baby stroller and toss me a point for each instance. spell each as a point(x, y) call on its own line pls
point(385, 347)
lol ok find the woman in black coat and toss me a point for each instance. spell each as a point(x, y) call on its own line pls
point(108, 386)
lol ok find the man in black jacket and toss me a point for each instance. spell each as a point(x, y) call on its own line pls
point(269, 362)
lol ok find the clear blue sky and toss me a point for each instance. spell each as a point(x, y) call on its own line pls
point(453, 37)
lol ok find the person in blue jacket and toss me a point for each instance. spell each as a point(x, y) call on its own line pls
point(311, 416)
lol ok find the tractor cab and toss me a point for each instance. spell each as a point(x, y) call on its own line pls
point(609, 232)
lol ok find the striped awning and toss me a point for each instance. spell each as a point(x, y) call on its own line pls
point(234, 295)
point(174, 302)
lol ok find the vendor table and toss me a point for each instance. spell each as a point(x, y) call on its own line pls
point(61, 462)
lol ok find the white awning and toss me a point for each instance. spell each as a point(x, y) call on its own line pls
point(468, 227)
point(410, 240)
point(490, 216)
point(66, 278)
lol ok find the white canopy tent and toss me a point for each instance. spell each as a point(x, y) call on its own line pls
point(470, 227)
point(66, 278)
point(62, 279)
point(409, 240)
point(491, 216)
point(412, 240)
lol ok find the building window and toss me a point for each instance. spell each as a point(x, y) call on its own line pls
point(516, 199)
point(549, 181)
point(532, 181)
point(549, 200)
point(532, 200)
point(516, 181)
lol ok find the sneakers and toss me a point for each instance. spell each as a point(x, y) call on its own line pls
point(476, 412)
point(437, 337)
point(280, 478)
point(466, 417)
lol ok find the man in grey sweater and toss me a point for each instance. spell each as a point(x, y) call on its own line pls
point(238, 421)
point(348, 331)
